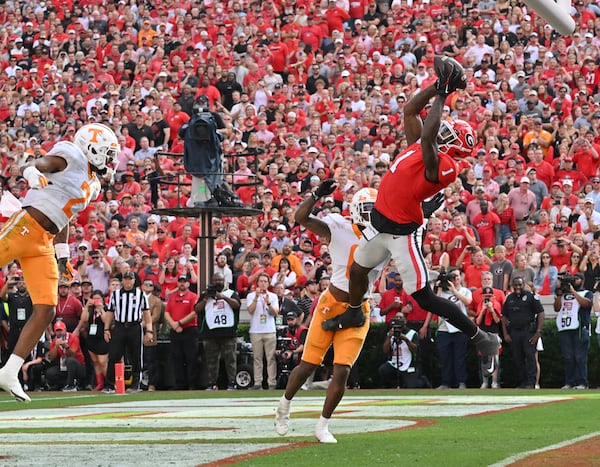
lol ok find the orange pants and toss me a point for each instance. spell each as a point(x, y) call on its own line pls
point(23, 239)
point(347, 343)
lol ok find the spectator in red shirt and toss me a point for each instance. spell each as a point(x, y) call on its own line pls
point(473, 271)
point(393, 300)
point(487, 224)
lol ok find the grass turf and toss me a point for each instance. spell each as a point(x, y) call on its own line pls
point(450, 441)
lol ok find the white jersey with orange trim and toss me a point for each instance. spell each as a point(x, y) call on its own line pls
point(68, 191)
point(344, 241)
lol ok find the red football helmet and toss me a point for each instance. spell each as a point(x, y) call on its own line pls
point(456, 138)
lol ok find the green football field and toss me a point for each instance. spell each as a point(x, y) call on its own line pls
point(428, 428)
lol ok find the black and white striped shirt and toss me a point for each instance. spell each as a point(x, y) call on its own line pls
point(128, 305)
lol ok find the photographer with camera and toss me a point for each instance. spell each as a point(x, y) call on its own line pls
point(15, 294)
point(451, 342)
point(401, 345)
point(290, 348)
point(219, 311)
point(202, 157)
point(574, 305)
point(522, 324)
point(488, 316)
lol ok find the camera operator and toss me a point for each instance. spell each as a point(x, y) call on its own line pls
point(452, 342)
point(66, 359)
point(574, 305)
point(401, 345)
point(488, 316)
point(291, 350)
point(219, 311)
point(522, 324)
point(15, 294)
point(202, 157)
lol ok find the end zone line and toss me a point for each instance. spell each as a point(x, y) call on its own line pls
point(523, 455)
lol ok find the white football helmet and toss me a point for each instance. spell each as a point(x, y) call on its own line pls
point(99, 144)
point(361, 206)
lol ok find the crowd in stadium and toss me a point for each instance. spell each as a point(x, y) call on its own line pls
point(321, 88)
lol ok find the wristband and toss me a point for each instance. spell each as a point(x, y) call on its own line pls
point(179, 323)
point(106, 330)
point(149, 331)
point(62, 250)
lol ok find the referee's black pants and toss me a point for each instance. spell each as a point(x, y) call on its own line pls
point(126, 339)
point(184, 357)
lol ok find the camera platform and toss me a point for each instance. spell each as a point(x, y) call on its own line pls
point(215, 211)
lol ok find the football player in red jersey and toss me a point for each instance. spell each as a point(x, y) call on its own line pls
point(422, 170)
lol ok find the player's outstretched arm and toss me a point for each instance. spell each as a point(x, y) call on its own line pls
point(303, 216)
point(413, 124)
point(429, 139)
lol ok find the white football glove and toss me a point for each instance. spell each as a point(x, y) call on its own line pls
point(35, 178)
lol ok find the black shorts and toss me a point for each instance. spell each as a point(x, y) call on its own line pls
point(97, 345)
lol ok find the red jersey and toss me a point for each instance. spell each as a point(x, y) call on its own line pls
point(404, 186)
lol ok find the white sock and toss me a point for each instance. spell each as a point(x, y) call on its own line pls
point(284, 403)
point(14, 364)
point(323, 424)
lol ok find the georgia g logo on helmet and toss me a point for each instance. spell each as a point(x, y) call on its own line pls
point(456, 138)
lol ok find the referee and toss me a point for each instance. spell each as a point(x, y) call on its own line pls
point(128, 309)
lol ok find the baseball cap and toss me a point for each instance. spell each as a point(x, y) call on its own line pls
point(291, 315)
point(531, 222)
point(129, 275)
point(60, 326)
point(525, 180)
point(567, 182)
point(488, 291)
point(282, 227)
point(589, 200)
point(183, 277)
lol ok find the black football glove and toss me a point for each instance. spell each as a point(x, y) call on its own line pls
point(326, 188)
point(450, 73)
point(429, 207)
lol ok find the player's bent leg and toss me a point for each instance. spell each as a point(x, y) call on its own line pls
point(487, 344)
point(444, 308)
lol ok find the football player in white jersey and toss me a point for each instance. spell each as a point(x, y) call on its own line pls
point(62, 183)
point(342, 235)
